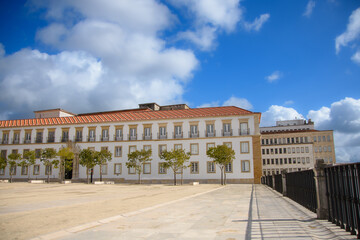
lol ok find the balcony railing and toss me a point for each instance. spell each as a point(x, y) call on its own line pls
point(51, 139)
point(39, 140)
point(104, 138)
point(162, 136)
point(132, 137)
point(227, 133)
point(5, 141)
point(210, 134)
point(193, 135)
point(118, 137)
point(16, 141)
point(78, 139)
point(147, 137)
point(64, 139)
point(27, 140)
point(178, 135)
point(243, 132)
point(91, 139)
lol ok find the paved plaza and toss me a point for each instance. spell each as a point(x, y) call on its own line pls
point(190, 212)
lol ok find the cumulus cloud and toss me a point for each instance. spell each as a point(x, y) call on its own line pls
point(352, 31)
point(204, 38)
point(108, 58)
point(274, 76)
point(257, 23)
point(278, 113)
point(356, 57)
point(309, 8)
point(232, 101)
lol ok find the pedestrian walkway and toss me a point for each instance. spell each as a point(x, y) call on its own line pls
point(232, 212)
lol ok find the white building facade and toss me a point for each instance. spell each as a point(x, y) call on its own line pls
point(151, 126)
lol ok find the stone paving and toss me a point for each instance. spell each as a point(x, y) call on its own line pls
point(233, 212)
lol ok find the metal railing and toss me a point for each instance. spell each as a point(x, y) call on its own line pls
point(342, 190)
point(278, 183)
point(227, 133)
point(300, 187)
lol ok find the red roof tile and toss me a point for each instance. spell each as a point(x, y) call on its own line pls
point(122, 116)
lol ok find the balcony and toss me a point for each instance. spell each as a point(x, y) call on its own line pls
point(92, 139)
point(178, 135)
point(51, 139)
point(227, 133)
point(162, 136)
point(39, 140)
point(27, 140)
point(210, 134)
point(16, 141)
point(64, 139)
point(78, 139)
point(104, 138)
point(147, 137)
point(118, 137)
point(194, 135)
point(243, 132)
point(5, 141)
point(132, 137)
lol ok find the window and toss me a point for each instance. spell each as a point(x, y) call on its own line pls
point(133, 135)
point(162, 148)
point(131, 170)
point(244, 147)
point(2, 171)
point(177, 146)
point(298, 160)
point(315, 139)
point(227, 129)
point(211, 167)
point(329, 149)
point(294, 160)
point(302, 149)
point(276, 161)
point(178, 131)
point(118, 134)
point(147, 132)
point(104, 169)
point(316, 149)
point(162, 169)
point(162, 132)
point(281, 161)
point(51, 136)
point(132, 149)
point(65, 135)
point(16, 137)
point(280, 150)
point(27, 137)
point(276, 151)
point(303, 160)
point(209, 145)
point(39, 137)
point(263, 151)
point(194, 131)
point(264, 162)
point(268, 161)
point(147, 168)
point(307, 149)
point(36, 169)
point(285, 160)
point(325, 149)
point(105, 135)
point(284, 149)
point(78, 137)
point(194, 167)
point(267, 151)
point(307, 160)
point(244, 130)
point(13, 170)
point(210, 130)
point(228, 168)
point(24, 170)
point(37, 153)
point(118, 151)
point(328, 138)
point(293, 150)
point(117, 168)
point(91, 135)
point(324, 138)
point(104, 148)
point(147, 147)
point(15, 151)
point(320, 149)
point(228, 144)
point(319, 138)
point(48, 170)
point(297, 150)
point(194, 148)
point(25, 151)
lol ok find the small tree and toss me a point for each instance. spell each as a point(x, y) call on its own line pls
point(137, 159)
point(48, 159)
point(176, 160)
point(65, 153)
point(13, 159)
point(221, 155)
point(3, 163)
point(87, 159)
point(28, 160)
point(101, 158)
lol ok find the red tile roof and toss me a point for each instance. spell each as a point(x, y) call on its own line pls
point(123, 116)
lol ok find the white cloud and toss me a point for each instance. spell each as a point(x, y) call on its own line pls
point(238, 102)
point(352, 31)
point(309, 8)
point(257, 23)
point(109, 58)
point(289, 102)
point(356, 57)
point(204, 38)
point(274, 76)
point(278, 113)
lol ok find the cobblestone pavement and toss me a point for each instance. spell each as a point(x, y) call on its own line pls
point(234, 212)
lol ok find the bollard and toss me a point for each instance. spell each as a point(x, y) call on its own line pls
point(320, 183)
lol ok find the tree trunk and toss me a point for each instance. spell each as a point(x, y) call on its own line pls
point(48, 180)
point(87, 175)
point(139, 181)
point(28, 173)
point(10, 176)
point(100, 172)
point(224, 177)
point(182, 176)
point(174, 178)
point(221, 173)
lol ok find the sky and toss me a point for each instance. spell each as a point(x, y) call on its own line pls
point(285, 59)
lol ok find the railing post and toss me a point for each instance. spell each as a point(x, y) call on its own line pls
point(283, 176)
point(273, 181)
point(320, 184)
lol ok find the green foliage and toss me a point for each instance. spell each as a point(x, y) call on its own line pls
point(65, 153)
point(48, 157)
point(102, 157)
point(3, 162)
point(28, 160)
point(87, 159)
point(13, 159)
point(176, 160)
point(137, 159)
point(221, 155)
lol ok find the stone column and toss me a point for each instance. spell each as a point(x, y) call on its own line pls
point(273, 180)
point(320, 184)
point(283, 176)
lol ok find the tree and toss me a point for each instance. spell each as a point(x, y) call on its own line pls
point(13, 158)
point(65, 153)
point(176, 160)
point(48, 159)
point(221, 155)
point(87, 159)
point(137, 159)
point(101, 158)
point(3, 163)
point(28, 160)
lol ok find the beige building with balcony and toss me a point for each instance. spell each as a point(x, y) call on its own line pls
point(294, 145)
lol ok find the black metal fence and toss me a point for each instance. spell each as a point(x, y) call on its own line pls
point(300, 187)
point(267, 180)
point(278, 183)
point(342, 190)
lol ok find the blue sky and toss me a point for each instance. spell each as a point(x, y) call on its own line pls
point(286, 59)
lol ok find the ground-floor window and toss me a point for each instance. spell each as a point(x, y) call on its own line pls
point(211, 167)
point(147, 168)
point(104, 169)
point(36, 170)
point(245, 166)
point(48, 170)
point(131, 170)
point(24, 170)
point(162, 169)
point(194, 167)
point(117, 168)
point(228, 167)
point(2, 171)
